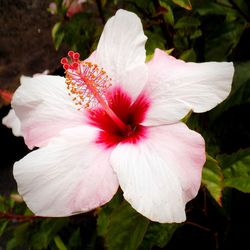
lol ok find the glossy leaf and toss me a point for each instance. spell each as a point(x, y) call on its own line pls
point(154, 41)
point(40, 240)
point(187, 22)
point(236, 170)
point(158, 235)
point(212, 178)
point(167, 13)
point(59, 243)
point(75, 240)
point(183, 3)
point(221, 42)
point(105, 212)
point(20, 237)
point(3, 225)
point(126, 228)
point(211, 8)
point(188, 55)
point(57, 35)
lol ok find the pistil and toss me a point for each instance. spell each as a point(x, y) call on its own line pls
point(87, 84)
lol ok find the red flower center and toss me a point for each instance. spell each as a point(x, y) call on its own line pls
point(131, 114)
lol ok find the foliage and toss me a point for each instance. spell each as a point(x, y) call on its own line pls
point(198, 31)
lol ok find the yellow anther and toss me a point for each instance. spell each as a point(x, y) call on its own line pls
point(87, 84)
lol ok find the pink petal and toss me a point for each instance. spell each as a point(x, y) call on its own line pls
point(177, 87)
point(69, 175)
point(121, 51)
point(12, 121)
point(162, 172)
point(44, 108)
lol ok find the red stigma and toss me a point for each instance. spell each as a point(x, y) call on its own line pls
point(71, 53)
point(76, 56)
point(66, 66)
point(64, 60)
point(72, 62)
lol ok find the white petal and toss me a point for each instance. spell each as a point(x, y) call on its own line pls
point(44, 108)
point(12, 121)
point(121, 51)
point(69, 175)
point(160, 174)
point(177, 87)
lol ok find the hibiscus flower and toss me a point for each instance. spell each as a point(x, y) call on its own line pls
point(123, 127)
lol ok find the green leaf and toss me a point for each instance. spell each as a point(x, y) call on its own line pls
point(227, 171)
point(75, 239)
point(221, 42)
point(169, 51)
point(167, 13)
point(106, 211)
point(154, 41)
point(210, 8)
point(2, 204)
point(236, 170)
point(188, 55)
point(12, 244)
point(187, 22)
point(242, 6)
point(158, 235)
point(57, 35)
point(196, 34)
point(40, 240)
point(20, 236)
point(55, 30)
point(185, 119)
point(186, 31)
point(47, 231)
point(183, 3)
point(126, 228)
point(59, 243)
point(212, 178)
point(3, 225)
point(53, 226)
